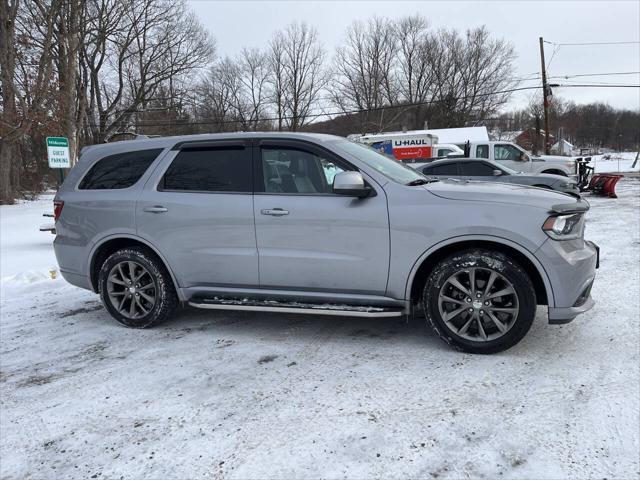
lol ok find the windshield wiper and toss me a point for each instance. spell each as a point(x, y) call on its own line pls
point(421, 181)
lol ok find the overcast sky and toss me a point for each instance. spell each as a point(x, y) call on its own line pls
point(249, 23)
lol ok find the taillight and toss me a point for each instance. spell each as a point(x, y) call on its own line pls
point(57, 209)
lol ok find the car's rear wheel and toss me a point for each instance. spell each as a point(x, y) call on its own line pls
point(479, 301)
point(136, 288)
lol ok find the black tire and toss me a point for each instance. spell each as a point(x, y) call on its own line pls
point(484, 261)
point(166, 299)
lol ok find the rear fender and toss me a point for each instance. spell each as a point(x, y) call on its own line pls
point(142, 241)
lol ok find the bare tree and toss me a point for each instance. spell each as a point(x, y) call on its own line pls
point(277, 78)
point(364, 67)
point(297, 74)
point(214, 99)
point(472, 76)
point(233, 95)
point(254, 69)
point(26, 36)
point(245, 80)
point(415, 76)
point(66, 51)
point(130, 50)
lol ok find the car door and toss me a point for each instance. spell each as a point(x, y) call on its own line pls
point(198, 212)
point(309, 238)
point(510, 156)
point(476, 170)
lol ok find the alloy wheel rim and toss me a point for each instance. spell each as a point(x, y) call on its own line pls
point(478, 304)
point(131, 289)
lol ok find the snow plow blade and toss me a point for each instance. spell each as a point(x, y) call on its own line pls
point(604, 184)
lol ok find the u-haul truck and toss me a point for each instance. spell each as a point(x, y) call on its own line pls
point(404, 146)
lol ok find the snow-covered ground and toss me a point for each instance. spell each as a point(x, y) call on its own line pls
point(233, 395)
point(615, 163)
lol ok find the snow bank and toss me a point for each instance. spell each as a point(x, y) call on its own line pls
point(615, 163)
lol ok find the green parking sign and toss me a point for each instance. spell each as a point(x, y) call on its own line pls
point(58, 152)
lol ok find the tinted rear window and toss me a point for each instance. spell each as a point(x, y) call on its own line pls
point(476, 169)
point(448, 169)
point(121, 170)
point(226, 169)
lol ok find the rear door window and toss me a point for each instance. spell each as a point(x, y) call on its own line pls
point(121, 170)
point(476, 169)
point(482, 151)
point(210, 169)
point(447, 169)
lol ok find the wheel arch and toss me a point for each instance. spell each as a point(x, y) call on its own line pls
point(425, 264)
point(105, 247)
point(555, 171)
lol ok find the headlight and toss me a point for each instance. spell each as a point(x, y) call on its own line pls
point(564, 227)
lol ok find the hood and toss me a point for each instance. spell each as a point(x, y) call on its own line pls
point(547, 176)
point(552, 158)
point(494, 192)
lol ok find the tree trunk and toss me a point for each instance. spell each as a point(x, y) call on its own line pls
point(7, 195)
point(9, 119)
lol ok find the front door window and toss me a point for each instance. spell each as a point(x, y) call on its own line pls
point(295, 171)
point(507, 152)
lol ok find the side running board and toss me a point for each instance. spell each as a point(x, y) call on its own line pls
point(218, 303)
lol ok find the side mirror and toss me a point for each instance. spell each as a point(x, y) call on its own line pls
point(350, 184)
point(523, 157)
point(497, 173)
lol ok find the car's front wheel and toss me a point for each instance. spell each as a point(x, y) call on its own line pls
point(136, 288)
point(479, 301)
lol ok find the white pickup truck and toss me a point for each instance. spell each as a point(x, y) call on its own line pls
point(516, 158)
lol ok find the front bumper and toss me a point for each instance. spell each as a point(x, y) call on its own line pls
point(571, 267)
point(558, 316)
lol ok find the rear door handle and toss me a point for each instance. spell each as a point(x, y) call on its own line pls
point(275, 212)
point(156, 209)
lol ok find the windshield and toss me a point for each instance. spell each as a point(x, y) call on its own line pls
point(392, 169)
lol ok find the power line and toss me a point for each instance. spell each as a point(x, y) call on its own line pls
point(590, 43)
point(596, 86)
point(606, 74)
point(594, 82)
point(556, 49)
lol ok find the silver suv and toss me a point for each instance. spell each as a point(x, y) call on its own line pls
point(317, 224)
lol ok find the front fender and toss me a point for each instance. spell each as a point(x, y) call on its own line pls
point(482, 238)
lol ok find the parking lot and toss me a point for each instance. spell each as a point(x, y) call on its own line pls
point(238, 395)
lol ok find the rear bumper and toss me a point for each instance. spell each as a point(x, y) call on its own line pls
point(81, 281)
point(571, 267)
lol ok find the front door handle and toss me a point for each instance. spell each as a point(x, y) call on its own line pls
point(274, 212)
point(156, 209)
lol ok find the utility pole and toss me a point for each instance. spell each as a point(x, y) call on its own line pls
point(545, 100)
